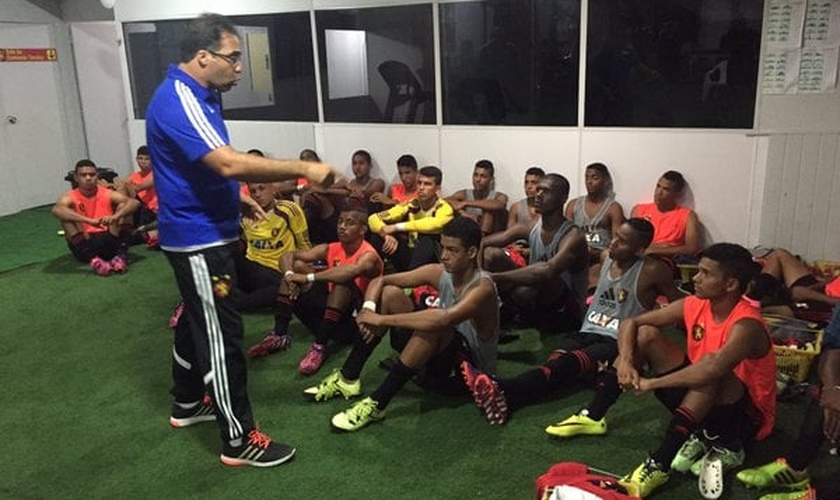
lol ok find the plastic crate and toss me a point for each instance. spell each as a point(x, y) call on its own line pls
point(805, 341)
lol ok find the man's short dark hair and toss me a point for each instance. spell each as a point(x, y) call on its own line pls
point(364, 154)
point(559, 183)
point(644, 230)
point(433, 172)
point(407, 161)
point(465, 229)
point(600, 168)
point(675, 177)
point(535, 171)
point(357, 206)
point(257, 152)
point(486, 165)
point(205, 32)
point(84, 163)
point(735, 261)
point(143, 150)
point(308, 155)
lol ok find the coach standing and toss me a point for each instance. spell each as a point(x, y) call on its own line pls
point(196, 173)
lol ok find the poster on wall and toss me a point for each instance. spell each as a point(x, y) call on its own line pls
point(822, 24)
point(817, 70)
point(783, 26)
point(780, 71)
point(29, 55)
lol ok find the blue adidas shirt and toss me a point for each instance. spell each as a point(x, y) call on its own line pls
point(198, 208)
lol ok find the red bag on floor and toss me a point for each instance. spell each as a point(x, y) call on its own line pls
point(576, 481)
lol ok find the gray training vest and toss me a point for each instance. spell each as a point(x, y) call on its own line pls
point(522, 215)
point(471, 197)
point(483, 352)
point(540, 252)
point(596, 237)
point(615, 299)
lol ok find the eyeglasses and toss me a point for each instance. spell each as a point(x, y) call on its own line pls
point(232, 59)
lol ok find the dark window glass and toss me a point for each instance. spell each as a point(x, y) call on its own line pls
point(510, 63)
point(377, 65)
point(278, 72)
point(664, 63)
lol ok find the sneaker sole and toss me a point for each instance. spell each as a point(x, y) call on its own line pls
point(186, 422)
point(241, 462)
point(311, 396)
point(710, 480)
point(490, 400)
point(371, 420)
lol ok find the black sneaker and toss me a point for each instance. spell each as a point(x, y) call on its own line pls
point(258, 451)
point(185, 417)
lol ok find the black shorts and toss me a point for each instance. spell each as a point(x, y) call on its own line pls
point(442, 364)
point(746, 426)
point(102, 244)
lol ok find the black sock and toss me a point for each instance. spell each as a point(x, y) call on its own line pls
point(329, 325)
point(807, 445)
point(357, 358)
point(284, 306)
point(682, 425)
point(534, 385)
point(396, 379)
point(607, 392)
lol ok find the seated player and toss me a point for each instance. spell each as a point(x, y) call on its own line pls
point(482, 203)
point(351, 263)
point(408, 234)
point(785, 281)
point(629, 284)
point(721, 392)
point(678, 234)
point(317, 203)
point(522, 211)
point(282, 230)
point(362, 186)
point(464, 326)
point(596, 213)
point(403, 191)
point(141, 185)
point(821, 424)
point(94, 220)
point(553, 283)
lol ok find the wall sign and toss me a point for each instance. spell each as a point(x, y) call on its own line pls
point(29, 55)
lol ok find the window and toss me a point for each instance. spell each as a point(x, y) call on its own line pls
point(278, 73)
point(661, 63)
point(510, 63)
point(377, 65)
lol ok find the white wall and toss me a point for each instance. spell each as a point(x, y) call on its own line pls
point(104, 108)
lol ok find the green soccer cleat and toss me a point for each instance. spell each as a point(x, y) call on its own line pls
point(578, 424)
point(809, 494)
point(776, 474)
point(648, 476)
point(358, 416)
point(690, 453)
point(334, 385)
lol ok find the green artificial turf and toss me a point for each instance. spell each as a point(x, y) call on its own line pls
point(85, 361)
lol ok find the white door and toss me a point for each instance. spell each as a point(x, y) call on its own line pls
point(33, 151)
